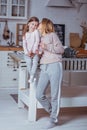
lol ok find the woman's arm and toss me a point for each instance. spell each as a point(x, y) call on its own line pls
point(54, 46)
point(57, 45)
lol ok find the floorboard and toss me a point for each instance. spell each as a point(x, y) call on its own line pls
point(13, 118)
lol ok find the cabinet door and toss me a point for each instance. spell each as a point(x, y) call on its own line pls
point(8, 74)
point(16, 9)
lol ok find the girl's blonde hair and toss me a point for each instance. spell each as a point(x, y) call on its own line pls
point(47, 26)
point(32, 19)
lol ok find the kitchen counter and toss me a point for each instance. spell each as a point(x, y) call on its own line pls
point(10, 48)
point(70, 98)
point(69, 64)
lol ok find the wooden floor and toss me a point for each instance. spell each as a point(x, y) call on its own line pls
point(12, 118)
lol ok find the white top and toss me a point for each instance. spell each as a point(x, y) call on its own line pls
point(53, 49)
point(31, 41)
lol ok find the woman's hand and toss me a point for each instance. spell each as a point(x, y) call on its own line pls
point(43, 45)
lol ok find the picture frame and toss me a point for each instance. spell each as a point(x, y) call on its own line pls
point(60, 31)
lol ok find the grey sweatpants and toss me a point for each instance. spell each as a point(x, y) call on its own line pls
point(32, 64)
point(50, 73)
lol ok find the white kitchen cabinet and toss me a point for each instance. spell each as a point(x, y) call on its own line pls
point(14, 9)
point(8, 71)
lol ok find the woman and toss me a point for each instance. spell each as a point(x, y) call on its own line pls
point(51, 70)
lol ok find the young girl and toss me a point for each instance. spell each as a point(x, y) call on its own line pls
point(51, 70)
point(31, 41)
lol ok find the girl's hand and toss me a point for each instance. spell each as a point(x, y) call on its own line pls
point(37, 52)
point(31, 54)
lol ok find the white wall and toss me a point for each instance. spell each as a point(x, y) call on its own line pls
point(71, 17)
point(12, 28)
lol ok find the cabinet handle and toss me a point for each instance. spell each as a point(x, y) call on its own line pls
point(14, 69)
point(14, 79)
point(10, 65)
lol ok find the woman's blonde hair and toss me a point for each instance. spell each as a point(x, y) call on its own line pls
point(26, 28)
point(47, 26)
